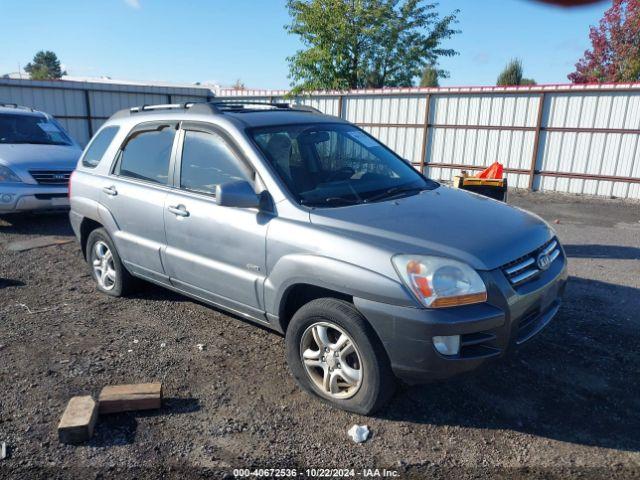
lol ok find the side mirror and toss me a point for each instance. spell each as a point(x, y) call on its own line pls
point(237, 194)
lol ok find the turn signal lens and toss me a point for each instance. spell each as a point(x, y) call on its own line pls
point(440, 282)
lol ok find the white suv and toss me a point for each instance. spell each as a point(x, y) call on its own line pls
point(36, 160)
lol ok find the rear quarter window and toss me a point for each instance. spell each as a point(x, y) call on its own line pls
point(146, 155)
point(98, 146)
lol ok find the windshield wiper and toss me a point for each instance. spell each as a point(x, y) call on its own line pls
point(330, 200)
point(350, 201)
point(392, 193)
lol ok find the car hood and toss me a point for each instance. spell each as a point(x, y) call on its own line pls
point(447, 222)
point(26, 156)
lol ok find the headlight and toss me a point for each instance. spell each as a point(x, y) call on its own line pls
point(440, 282)
point(7, 176)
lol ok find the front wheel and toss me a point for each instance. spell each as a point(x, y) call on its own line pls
point(334, 354)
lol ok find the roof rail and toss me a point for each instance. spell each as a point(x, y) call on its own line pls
point(216, 107)
point(202, 107)
point(167, 106)
point(233, 104)
point(306, 108)
point(15, 105)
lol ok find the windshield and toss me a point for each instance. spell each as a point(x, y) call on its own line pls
point(31, 129)
point(336, 164)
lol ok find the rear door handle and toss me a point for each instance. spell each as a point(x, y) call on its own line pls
point(179, 210)
point(110, 190)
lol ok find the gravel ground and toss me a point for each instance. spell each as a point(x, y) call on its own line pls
point(566, 405)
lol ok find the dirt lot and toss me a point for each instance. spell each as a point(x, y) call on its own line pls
point(566, 405)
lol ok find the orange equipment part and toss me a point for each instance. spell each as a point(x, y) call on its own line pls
point(492, 171)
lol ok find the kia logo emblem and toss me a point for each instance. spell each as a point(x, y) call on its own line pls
point(544, 261)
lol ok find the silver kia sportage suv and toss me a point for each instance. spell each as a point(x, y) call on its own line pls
point(36, 160)
point(308, 225)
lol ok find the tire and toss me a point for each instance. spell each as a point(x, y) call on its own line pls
point(363, 392)
point(120, 282)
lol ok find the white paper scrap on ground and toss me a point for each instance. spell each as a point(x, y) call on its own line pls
point(359, 433)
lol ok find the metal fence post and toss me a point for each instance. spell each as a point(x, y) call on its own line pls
point(425, 133)
point(536, 142)
point(87, 103)
point(340, 105)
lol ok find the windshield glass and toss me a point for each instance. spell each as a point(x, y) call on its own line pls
point(31, 129)
point(336, 164)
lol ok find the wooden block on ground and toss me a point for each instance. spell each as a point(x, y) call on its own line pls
point(78, 420)
point(125, 398)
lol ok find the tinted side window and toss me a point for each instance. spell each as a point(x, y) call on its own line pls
point(146, 155)
point(208, 161)
point(98, 146)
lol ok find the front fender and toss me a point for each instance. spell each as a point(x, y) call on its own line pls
point(340, 276)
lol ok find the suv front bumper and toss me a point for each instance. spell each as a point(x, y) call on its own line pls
point(23, 197)
point(488, 330)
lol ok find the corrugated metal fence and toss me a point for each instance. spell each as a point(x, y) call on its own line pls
point(81, 107)
point(566, 138)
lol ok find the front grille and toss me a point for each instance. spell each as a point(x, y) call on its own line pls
point(528, 267)
point(51, 177)
point(49, 196)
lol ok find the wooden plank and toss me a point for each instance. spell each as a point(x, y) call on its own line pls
point(78, 421)
point(126, 398)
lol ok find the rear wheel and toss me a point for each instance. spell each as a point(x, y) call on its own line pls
point(333, 354)
point(106, 267)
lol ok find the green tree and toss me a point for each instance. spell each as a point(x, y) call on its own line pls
point(365, 43)
point(45, 66)
point(429, 77)
point(512, 74)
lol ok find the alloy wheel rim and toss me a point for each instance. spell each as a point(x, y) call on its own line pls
point(103, 265)
point(332, 360)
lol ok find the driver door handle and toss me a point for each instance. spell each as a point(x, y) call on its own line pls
point(179, 210)
point(110, 190)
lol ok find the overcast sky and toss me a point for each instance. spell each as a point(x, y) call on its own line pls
point(222, 40)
